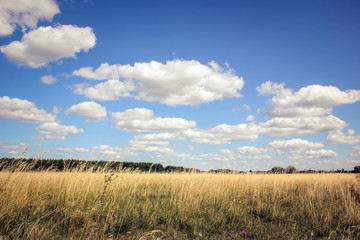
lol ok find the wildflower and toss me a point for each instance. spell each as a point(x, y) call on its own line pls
point(116, 217)
point(244, 233)
point(32, 205)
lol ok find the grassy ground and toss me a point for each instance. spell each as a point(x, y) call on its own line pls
point(84, 205)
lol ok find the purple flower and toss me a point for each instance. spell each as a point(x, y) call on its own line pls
point(244, 233)
point(116, 217)
point(32, 205)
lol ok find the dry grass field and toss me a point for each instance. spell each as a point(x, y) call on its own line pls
point(132, 205)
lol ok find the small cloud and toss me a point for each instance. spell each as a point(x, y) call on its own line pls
point(49, 44)
point(56, 110)
point(244, 107)
point(48, 79)
point(54, 130)
point(23, 110)
point(90, 110)
point(144, 120)
point(14, 152)
point(251, 118)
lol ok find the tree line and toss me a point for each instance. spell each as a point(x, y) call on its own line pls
point(82, 165)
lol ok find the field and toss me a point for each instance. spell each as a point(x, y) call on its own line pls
point(133, 205)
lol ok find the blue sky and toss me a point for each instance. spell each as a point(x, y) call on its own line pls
point(206, 84)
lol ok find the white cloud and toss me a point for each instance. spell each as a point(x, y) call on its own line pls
point(48, 44)
point(21, 146)
point(90, 110)
point(244, 107)
point(251, 118)
point(107, 150)
point(166, 136)
point(251, 150)
point(270, 88)
point(355, 154)
point(13, 152)
point(221, 134)
point(56, 110)
point(109, 90)
point(226, 155)
point(73, 150)
point(105, 71)
point(322, 153)
point(338, 137)
point(294, 145)
point(224, 134)
point(313, 100)
point(286, 127)
point(143, 120)
point(48, 79)
point(137, 146)
point(23, 110)
point(176, 82)
point(56, 131)
point(25, 13)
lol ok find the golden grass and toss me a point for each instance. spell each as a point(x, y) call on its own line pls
point(130, 205)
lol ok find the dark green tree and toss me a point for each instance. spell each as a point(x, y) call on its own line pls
point(290, 169)
point(277, 170)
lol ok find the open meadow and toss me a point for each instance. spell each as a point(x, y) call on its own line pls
point(133, 205)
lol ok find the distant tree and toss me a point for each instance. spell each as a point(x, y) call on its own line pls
point(277, 170)
point(357, 169)
point(290, 169)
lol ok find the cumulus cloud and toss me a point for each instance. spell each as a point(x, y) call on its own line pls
point(271, 88)
point(105, 71)
point(137, 146)
point(90, 110)
point(294, 145)
point(322, 153)
point(244, 107)
point(224, 134)
point(251, 150)
point(56, 131)
point(56, 110)
point(21, 146)
point(251, 118)
point(107, 150)
point(143, 120)
point(176, 82)
point(23, 110)
point(13, 152)
point(48, 79)
point(109, 90)
point(221, 134)
point(313, 100)
point(286, 127)
point(226, 155)
point(25, 13)
point(48, 44)
point(165, 136)
point(338, 137)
